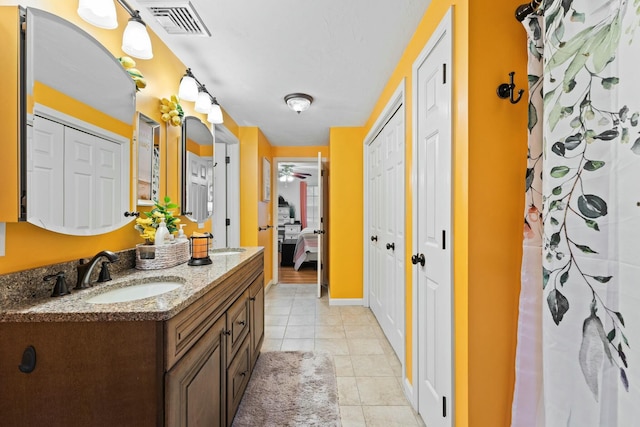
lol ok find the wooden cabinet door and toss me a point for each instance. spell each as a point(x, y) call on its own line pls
point(237, 378)
point(195, 387)
point(237, 325)
point(256, 315)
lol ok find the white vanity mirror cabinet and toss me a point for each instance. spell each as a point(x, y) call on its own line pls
point(79, 107)
point(197, 170)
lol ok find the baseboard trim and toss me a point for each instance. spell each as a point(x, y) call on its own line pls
point(266, 288)
point(345, 301)
point(408, 392)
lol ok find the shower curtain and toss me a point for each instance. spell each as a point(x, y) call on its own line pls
point(577, 362)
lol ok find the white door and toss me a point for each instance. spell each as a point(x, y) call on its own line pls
point(387, 223)
point(219, 218)
point(321, 229)
point(432, 224)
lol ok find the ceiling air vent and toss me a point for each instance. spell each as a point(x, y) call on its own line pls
point(178, 18)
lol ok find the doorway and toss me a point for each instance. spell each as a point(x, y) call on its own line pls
point(298, 220)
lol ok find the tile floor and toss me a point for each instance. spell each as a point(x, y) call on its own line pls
point(368, 372)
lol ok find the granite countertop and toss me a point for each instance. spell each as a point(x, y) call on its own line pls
point(197, 281)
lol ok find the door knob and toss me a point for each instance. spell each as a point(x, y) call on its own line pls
point(318, 231)
point(374, 238)
point(391, 246)
point(418, 258)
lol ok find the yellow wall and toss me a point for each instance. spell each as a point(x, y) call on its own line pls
point(28, 246)
point(345, 212)
point(489, 148)
point(254, 212)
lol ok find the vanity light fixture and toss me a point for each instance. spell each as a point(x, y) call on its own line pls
point(188, 90)
point(298, 102)
point(191, 89)
point(215, 114)
point(203, 102)
point(102, 14)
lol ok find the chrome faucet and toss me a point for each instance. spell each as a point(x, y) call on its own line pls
point(85, 269)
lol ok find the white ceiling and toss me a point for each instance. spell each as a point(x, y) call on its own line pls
point(341, 52)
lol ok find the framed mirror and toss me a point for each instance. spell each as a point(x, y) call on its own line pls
point(197, 170)
point(148, 153)
point(78, 121)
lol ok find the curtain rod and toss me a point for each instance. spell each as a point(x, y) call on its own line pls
point(527, 9)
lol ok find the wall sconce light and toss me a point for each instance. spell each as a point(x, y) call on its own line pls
point(192, 90)
point(102, 14)
point(215, 115)
point(188, 90)
point(298, 102)
point(203, 102)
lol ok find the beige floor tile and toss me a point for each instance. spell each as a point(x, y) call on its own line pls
point(348, 391)
point(344, 367)
point(364, 346)
point(380, 391)
point(352, 416)
point(330, 331)
point(355, 319)
point(371, 366)
point(387, 416)
point(354, 309)
point(300, 332)
point(335, 346)
point(274, 332)
point(359, 331)
point(297, 344)
point(303, 320)
point(275, 320)
point(302, 311)
point(271, 344)
point(277, 311)
point(278, 302)
point(328, 319)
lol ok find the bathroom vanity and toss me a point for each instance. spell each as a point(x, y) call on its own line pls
point(181, 358)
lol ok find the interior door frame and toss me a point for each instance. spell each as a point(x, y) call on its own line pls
point(231, 186)
point(395, 101)
point(444, 27)
point(275, 185)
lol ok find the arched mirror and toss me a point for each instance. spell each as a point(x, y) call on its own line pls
point(79, 111)
point(197, 170)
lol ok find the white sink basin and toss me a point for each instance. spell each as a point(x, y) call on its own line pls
point(227, 251)
point(134, 292)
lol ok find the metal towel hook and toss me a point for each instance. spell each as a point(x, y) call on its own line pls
point(505, 90)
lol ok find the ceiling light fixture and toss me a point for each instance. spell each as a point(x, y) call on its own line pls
point(298, 102)
point(192, 90)
point(102, 14)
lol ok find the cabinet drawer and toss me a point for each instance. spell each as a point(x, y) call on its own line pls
point(237, 324)
point(238, 375)
point(292, 228)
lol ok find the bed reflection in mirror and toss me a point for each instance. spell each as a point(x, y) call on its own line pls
point(197, 170)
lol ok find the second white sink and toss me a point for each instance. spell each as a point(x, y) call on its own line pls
point(134, 292)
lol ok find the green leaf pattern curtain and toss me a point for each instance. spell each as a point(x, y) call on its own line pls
point(579, 326)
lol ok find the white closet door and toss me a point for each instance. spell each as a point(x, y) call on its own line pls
point(387, 230)
point(108, 164)
point(45, 160)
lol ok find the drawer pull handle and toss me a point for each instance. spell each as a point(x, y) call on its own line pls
point(252, 299)
point(243, 374)
point(226, 332)
point(242, 323)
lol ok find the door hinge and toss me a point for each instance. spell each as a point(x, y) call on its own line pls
point(227, 159)
point(228, 221)
point(444, 237)
point(444, 74)
point(322, 172)
point(444, 406)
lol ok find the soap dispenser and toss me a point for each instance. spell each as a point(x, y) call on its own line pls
point(162, 233)
point(181, 237)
